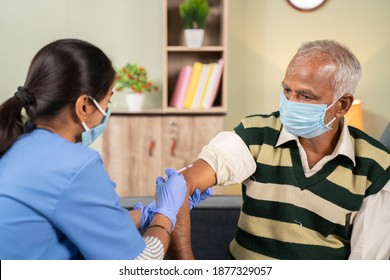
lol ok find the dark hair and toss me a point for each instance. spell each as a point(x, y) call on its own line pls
point(59, 73)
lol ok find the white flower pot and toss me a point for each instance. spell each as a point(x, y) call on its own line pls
point(193, 37)
point(135, 101)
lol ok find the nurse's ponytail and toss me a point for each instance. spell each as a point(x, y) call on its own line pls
point(11, 121)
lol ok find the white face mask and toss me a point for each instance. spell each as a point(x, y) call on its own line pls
point(91, 134)
point(303, 119)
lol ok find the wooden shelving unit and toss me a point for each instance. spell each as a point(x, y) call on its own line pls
point(137, 147)
point(176, 55)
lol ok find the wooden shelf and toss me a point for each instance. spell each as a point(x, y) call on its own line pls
point(171, 111)
point(201, 49)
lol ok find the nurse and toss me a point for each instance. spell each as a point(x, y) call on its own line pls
point(56, 198)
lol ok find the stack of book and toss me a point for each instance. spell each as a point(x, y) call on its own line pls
point(197, 85)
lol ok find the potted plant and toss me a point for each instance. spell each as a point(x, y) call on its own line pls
point(132, 80)
point(194, 15)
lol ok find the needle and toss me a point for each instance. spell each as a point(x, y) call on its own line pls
point(182, 169)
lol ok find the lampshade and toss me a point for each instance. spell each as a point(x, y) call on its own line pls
point(354, 116)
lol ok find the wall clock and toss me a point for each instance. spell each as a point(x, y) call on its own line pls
point(306, 5)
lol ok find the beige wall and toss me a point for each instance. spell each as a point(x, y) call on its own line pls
point(126, 30)
point(263, 36)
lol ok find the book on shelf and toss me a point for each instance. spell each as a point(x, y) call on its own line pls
point(196, 70)
point(207, 91)
point(197, 85)
point(203, 77)
point(211, 91)
point(180, 90)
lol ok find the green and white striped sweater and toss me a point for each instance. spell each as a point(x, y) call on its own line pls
point(288, 216)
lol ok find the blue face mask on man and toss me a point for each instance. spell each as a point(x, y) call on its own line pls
point(303, 119)
point(91, 134)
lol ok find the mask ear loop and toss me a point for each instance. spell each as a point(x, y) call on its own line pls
point(86, 128)
point(98, 106)
point(330, 106)
point(331, 122)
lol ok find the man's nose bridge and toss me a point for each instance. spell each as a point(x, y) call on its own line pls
point(293, 96)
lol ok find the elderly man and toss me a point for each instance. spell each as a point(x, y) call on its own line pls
point(312, 187)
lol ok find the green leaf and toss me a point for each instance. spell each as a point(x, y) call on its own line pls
point(194, 13)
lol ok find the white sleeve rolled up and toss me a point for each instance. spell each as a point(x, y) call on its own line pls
point(229, 157)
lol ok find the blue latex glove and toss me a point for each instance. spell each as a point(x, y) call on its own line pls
point(147, 214)
point(197, 197)
point(170, 194)
point(148, 211)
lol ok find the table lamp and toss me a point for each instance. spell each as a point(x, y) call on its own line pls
point(354, 116)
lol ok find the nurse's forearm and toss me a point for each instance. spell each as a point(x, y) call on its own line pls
point(160, 227)
point(136, 217)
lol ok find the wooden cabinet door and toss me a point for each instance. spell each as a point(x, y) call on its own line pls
point(138, 148)
point(184, 136)
point(132, 153)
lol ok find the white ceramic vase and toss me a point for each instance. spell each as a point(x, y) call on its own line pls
point(135, 101)
point(193, 37)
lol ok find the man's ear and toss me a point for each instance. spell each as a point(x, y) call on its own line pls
point(81, 106)
point(345, 104)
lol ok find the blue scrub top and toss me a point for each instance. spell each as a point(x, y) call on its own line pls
point(58, 202)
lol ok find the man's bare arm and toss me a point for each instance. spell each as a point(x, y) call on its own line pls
point(200, 176)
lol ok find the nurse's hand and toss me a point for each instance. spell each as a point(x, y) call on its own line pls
point(170, 194)
point(148, 211)
point(147, 214)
